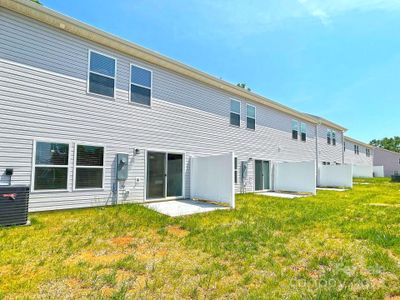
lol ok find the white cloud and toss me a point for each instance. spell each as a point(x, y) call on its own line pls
point(325, 10)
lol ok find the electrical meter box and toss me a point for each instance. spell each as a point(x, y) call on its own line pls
point(122, 166)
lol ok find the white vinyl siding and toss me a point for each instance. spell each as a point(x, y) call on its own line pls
point(326, 151)
point(357, 154)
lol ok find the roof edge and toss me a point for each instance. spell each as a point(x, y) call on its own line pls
point(390, 151)
point(85, 31)
point(359, 142)
point(326, 122)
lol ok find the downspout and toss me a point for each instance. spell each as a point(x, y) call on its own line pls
point(316, 150)
point(343, 147)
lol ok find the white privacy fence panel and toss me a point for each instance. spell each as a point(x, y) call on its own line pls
point(295, 177)
point(335, 176)
point(379, 171)
point(363, 171)
point(212, 178)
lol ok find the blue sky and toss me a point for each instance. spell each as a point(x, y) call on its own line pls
point(339, 59)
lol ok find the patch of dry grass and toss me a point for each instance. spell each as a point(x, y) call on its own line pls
point(334, 245)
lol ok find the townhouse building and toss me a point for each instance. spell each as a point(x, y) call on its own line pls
point(79, 103)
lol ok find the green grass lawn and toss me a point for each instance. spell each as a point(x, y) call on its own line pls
point(333, 245)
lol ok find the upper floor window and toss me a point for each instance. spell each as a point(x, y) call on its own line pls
point(356, 149)
point(329, 136)
point(295, 129)
point(251, 116)
point(344, 146)
point(141, 85)
point(235, 113)
point(367, 152)
point(101, 75)
point(303, 131)
point(50, 166)
point(333, 138)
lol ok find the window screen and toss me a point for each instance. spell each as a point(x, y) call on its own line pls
point(101, 74)
point(89, 167)
point(51, 166)
point(235, 113)
point(141, 82)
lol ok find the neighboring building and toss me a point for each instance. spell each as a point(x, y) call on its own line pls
point(73, 97)
point(358, 153)
point(388, 159)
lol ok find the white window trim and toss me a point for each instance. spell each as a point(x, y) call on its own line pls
point(33, 173)
point(255, 117)
point(90, 51)
point(183, 153)
point(240, 113)
point(142, 86)
point(74, 188)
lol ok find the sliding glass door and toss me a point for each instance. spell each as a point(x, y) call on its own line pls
point(262, 175)
point(164, 175)
point(156, 175)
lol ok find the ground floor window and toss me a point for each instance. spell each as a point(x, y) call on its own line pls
point(89, 166)
point(50, 166)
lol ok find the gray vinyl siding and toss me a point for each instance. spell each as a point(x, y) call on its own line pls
point(43, 95)
point(328, 152)
point(357, 159)
point(388, 159)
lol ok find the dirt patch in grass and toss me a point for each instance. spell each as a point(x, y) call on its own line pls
point(267, 248)
point(98, 258)
point(177, 231)
point(122, 241)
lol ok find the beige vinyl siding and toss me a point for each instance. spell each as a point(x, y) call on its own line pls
point(43, 95)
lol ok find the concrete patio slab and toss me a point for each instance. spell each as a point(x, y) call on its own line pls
point(332, 189)
point(283, 195)
point(177, 208)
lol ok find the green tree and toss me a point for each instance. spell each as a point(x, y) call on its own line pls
point(37, 1)
point(392, 144)
point(244, 86)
